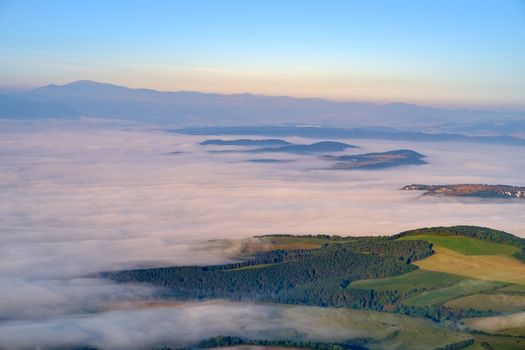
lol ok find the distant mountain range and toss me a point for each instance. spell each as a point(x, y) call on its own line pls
point(279, 146)
point(343, 133)
point(247, 142)
point(185, 108)
point(269, 160)
point(317, 147)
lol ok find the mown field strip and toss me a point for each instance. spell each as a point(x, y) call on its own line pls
point(486, 267)
point(493, 302)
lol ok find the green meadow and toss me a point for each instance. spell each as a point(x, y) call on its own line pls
point(418, 279)
point(489, 302)
point(466, 245)
point(463, 288)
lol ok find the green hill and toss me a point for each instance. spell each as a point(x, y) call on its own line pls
point(373, 273)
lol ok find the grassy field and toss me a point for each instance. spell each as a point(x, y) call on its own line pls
point(515, 331)
point(513, 324)
point(492, 302)
point(440, 287)
point(489, 266)
point(391, 331)
point(466, 245)
point(462, 288)
point(513, 288)
point(413, 280)
point(486, 267)
point(497, 343)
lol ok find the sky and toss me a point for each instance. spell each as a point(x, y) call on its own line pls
point(460, 53)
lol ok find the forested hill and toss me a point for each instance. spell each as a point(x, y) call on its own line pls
point(316, 277)
point(373, 273)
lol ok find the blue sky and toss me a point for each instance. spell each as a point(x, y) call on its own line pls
point(461, 52)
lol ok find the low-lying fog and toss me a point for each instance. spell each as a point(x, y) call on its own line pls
point(81, 197)
point(188, 323)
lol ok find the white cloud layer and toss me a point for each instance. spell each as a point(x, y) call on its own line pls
point(77, 198)
point(188, 323)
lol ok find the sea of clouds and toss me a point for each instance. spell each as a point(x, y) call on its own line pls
point(86, 196)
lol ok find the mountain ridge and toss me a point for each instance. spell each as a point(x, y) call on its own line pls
point(185, 108)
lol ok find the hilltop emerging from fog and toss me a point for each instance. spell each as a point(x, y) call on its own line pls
point(470, 190)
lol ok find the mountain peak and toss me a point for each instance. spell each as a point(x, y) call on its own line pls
point(79, 87)
point(90, 83)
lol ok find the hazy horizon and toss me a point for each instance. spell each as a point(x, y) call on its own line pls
point(461, 54)
point(503, 108)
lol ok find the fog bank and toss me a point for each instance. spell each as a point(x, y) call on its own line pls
point(77, 198)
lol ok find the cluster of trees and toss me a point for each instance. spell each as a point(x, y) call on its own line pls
point(458, 345)
point(221, 341)
point(265, 258)
point(392, 249)
point(439, 312)
point(520, 255)
point(318, 236)
point(358, 343)
point(312, 277)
